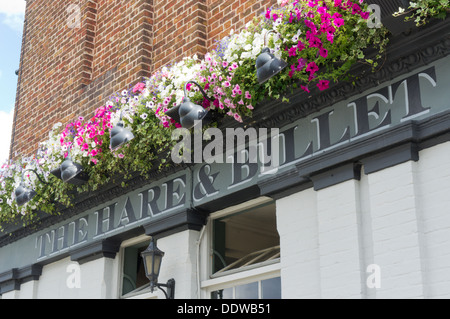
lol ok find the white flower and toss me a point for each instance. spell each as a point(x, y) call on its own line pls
point(277, 22)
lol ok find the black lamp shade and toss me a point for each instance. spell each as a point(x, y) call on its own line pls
point(120, 136)
point(24, 195)
point(70, 170)
point(267, 66)
point(174, 113)
point(152, 258)
point(191, 112)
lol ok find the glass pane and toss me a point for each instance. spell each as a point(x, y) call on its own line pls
point(248, 291)
point(271, 288)
point(237, 237)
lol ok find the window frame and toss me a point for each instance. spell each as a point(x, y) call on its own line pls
point(210, 281)
point(140, 292)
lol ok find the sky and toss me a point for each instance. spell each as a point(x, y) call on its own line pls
point(11, 27)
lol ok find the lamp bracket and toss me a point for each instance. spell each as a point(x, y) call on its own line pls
point(170, 286)
point(201, 90)
point(34, 171)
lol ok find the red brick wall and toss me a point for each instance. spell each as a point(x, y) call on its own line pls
point(69, 71)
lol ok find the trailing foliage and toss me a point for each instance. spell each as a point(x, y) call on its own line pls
point(421, 11)
point(320, 41)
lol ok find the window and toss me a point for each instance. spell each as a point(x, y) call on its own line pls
point(263, 289)
point(133, 268)
point(245, 239)
point(245, 251)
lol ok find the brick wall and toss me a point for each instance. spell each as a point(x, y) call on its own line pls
point(69, 70)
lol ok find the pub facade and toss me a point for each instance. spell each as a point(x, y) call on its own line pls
point(348, 198)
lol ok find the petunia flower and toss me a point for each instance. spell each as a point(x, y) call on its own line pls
point(323, 52)
point(323, 84)
point(312, 68)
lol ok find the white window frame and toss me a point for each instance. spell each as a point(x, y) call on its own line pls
point(212, 282)
point(142, 292)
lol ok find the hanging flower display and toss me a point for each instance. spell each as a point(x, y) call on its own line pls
point(318, 40)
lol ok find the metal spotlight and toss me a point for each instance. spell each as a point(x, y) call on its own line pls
point(267, 65)
point(120, 135)
point(24, 194)
point(189, 112)
point(70, 170)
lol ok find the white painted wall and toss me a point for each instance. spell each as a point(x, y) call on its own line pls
point(68, 280)
point(397, 218)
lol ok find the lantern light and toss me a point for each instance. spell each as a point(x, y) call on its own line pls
point(267, 65)
point(187, 113)
point(152, 258)
point(24, 194)
point(120, 135)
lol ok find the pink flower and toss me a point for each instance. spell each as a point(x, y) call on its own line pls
point(293, 51)
point(226, 84)
point(291, 17)
point(313, 3)
point(138, 88)
point(330, 37)
point(305, 88)
point(314, 42)
point(94, 152)
point(121, 155)
point(301, 64)
point(248, 95)
point(323, 84)
point(356, 8)
point(323, 52)
point(338, 22)
point(365, 15)
point(312, 68)
point(322, 10)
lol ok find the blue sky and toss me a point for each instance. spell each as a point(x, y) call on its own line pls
point(11, 28)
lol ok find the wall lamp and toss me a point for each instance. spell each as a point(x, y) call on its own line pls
point(152, 258)
point(71, 172)
point(24, 194)
point(267, 65)
point(187, 112)
point(120, 135)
